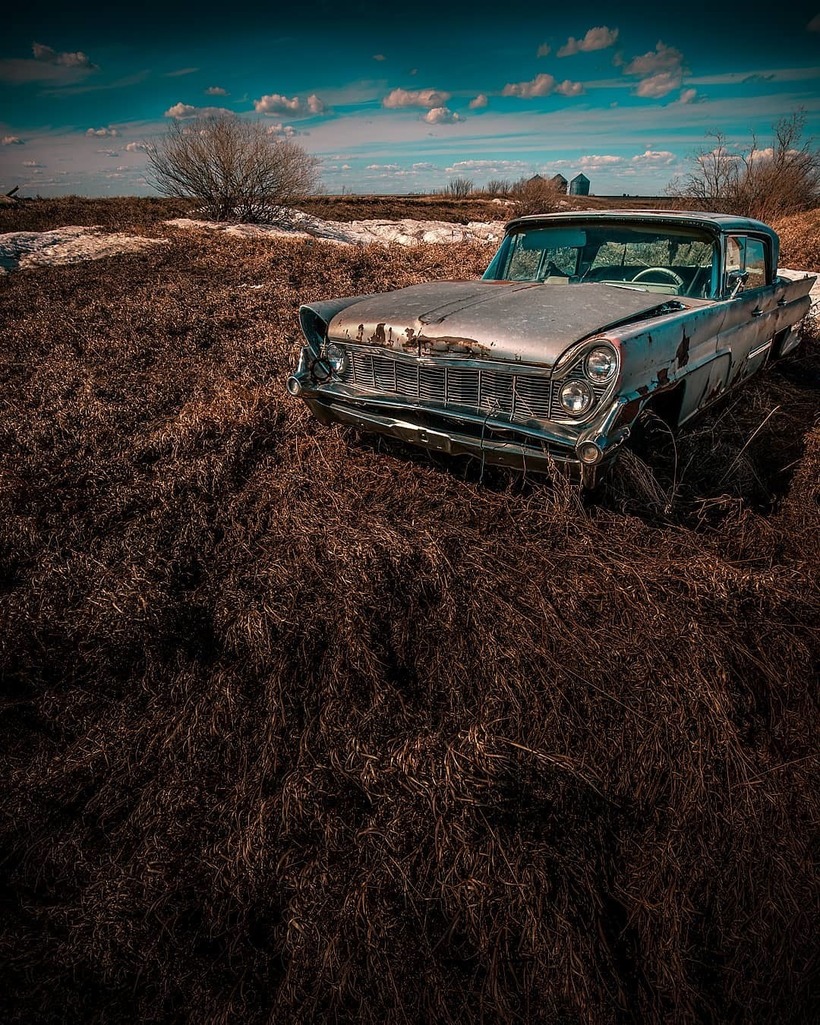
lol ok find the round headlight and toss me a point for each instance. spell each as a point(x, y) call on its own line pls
point(601, 364)
point(576, 397)
point(336, 357)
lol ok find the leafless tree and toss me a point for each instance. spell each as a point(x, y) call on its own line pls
point(712, 184)
point(782, 178)
point(237, 169)
point(459, 188)
point(535, 196)
point(766, 182)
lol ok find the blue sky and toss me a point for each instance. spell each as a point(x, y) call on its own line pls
point(402, 99)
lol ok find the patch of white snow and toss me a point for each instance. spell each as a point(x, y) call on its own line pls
point(70, 244)
point(406, 232)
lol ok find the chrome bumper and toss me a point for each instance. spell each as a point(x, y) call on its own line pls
point(493, 441)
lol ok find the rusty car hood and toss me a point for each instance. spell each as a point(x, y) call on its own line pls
point(504, 320)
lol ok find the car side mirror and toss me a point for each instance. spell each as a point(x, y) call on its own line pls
point(736, 280)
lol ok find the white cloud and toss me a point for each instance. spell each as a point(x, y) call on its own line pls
point(487, 166)
point(542, 85)
point(216, 90)
point(768, 153)
point(280, 131)
point(184, 111)
point(102, 132)
point(12, 140)
point(478, 102)
point(383, 167)
point(136, 147)
point(596, 39)
point(688, 96)
point(655, 158)
point(661, 72)
point(276, 103)
point(657, 86)
point(544, 50)
point(567, 88)
point(345, 167)
point(596, 161)
point(108, 152)
point(49, 55)
point(814, 24)
point(31, 163)
point(662, 58)
point(379, 57)
point(441, 116)
point(180, 71)
point(429, 98)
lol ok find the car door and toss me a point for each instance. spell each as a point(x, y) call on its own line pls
point(752, 314)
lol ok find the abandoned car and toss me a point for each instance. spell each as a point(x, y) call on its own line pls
point(581, 322)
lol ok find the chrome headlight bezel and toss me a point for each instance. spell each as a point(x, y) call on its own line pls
point(606, 359)
point(584, 389)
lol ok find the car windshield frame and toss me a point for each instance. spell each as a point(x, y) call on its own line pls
point(679, 260)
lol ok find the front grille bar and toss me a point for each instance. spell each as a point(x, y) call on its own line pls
point(496, 392)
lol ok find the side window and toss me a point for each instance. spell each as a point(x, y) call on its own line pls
point(747, 254)
point(755, 263)
point(734, 254)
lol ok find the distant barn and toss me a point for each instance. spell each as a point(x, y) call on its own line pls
point(579, 186)
point(559, 183)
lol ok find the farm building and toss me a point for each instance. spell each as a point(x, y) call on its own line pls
point(579, 186)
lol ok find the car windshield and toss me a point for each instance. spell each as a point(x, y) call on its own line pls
point(654, 259)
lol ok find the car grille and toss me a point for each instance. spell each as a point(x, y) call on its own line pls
point(494, 392)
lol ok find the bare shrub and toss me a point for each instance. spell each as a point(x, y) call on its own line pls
point(762, 181)
point(535, 196)
point(498, 187)
point(459, 188)
point(235, 168)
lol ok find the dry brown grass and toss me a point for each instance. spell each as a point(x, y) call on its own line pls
point(424, 208)
point(800, 240)
point(131, 212)
point(118, 213)
point(299, 727)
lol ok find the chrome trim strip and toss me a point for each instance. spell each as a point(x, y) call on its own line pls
point(760, 348)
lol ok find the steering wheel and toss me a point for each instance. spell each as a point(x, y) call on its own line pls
point(659, 270)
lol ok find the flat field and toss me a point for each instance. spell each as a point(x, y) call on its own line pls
point(297, 726)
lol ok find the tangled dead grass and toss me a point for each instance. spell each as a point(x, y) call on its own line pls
point(301, 727)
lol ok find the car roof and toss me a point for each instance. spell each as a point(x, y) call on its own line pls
point(693, 218)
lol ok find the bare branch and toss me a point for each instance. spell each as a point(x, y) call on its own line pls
point(766, 182)
point(235, 168)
